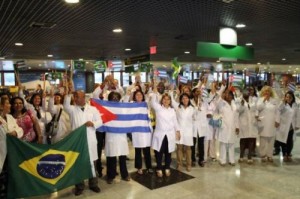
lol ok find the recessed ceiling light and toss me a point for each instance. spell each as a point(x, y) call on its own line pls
point(87, 62)
point(29, 67)
point(40, 64)
point(72, 1)
point(19, 44)
point(240, 25)
point(249, 44)
point(117, 30)
point(258, 63)
point(50, 55)
point(218, 61)
point(127, 49)
point(283, 59)
point(187, 52)
point(80, 59)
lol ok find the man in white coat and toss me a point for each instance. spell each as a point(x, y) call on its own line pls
point(84, 114)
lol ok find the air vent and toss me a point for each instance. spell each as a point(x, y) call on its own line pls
point(42, 25)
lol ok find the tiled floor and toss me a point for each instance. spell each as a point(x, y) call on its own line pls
point(257, 181)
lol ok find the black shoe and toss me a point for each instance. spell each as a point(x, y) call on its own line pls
point(127, 158)
point(201, 164)
point(95, 189)
point(110, 181)
point(78, 192)
point(193, 164)
point(276, 153)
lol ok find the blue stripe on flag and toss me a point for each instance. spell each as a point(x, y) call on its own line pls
point(128, 117)
point(110, 129)
point(121, 105)
point(292, 87)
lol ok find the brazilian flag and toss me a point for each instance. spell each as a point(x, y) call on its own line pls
point(37, 169)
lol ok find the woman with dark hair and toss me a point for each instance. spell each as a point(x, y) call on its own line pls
point(26, 120)
point(141, 141)
point(289, 117)
point(8, 126)
point(56, 108)
point(116, 145)
point(185, 113)
point(229, 128)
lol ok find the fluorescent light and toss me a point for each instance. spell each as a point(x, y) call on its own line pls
point(127, 49)
point(240, 25)
point(187, 52)
point(258, 63)
point(117, 30)
point(80, 59)
point(72, 1)
point(50, 55)
point(2, 57)
point(249, 44)
point(283, 59)
point(19, 44)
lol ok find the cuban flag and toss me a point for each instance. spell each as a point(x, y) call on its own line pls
point(122, 117)
point(161, 73)
point(183, 79)
point(292, 87)
point(236, 78)
point(251, 74)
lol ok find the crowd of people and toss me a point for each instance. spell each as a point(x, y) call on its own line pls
point(188, 120)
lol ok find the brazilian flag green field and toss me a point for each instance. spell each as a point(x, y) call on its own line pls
point(38, 169)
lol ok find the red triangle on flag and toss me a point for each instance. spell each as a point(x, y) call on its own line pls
point(106, 115)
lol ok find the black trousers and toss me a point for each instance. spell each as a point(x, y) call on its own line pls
point(247, 143)
point(200, 149)
point(288, 146)
point(100, 145)
point(164, 150)
point(4, 181)
point(93, 182)
point(111, 164)
point(138, 158)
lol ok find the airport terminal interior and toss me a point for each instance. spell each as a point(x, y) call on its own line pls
point(53, 42)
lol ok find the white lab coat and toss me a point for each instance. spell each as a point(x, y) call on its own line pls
point(200, 124)
point(79, 117)
point(288, 116)
point(166, 125)
point(9, 125)
point(64, 124)
point(116, 144)
point(186, 123)
point(247, 120)
point(268, 114)
point(226, 133)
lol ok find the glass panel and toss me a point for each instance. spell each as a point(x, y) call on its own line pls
point(9, 79)
point(98, 78)
point(117, 75)
point(125, 79)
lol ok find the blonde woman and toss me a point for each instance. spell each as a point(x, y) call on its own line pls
point(268, 120)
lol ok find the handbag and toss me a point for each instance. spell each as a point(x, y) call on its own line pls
point(52, 126)
point(216, 121)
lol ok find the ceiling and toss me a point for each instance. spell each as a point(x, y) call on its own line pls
point(84, 30)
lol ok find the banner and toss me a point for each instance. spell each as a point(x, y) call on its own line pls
point(38, 169)
point(121, 117)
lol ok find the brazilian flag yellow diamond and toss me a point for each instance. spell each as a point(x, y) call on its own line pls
point(50, 166)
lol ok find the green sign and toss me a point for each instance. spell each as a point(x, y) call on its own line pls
point(79, 65)
point(215, 50)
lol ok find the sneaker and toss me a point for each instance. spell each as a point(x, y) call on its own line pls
point(201, 164)
point(270, 159)
point(188, 169)
point(241, 160)
point(179, 168)
point(222, 164)
point(285, 159)
point(264, 159)
point(168, 172)
point(289, 159)
point(159, 173)
point(231, 164)
point(110, 181)
point(78, 192)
